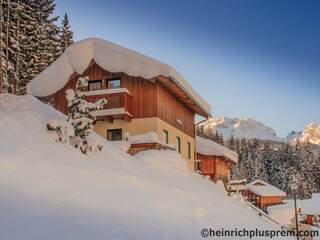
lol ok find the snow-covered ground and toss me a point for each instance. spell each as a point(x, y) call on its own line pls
point(50, 190)
point(284, 213)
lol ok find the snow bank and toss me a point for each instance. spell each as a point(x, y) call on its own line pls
point(209, 147)
point(50, 190)
point(284, 213)
point(111, 57)
point(150, 137)
point(264, 189)
point(165, 160)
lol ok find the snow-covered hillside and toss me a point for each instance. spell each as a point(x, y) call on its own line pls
point(50, 190)
point(310, 134)
point(241, 128)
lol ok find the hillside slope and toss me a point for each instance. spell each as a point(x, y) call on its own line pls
point(50, 190)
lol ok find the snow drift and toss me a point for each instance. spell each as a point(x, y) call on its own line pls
point(50, 190)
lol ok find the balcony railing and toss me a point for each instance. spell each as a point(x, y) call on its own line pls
point(119, 103)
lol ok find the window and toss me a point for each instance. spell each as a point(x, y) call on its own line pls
point(95, 85)
point(114, 134)
point(114, 83)
point(189, 150)
point(165, 136)
point(178, 144)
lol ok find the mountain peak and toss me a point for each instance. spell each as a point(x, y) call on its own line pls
point(244, 127)
point(311, 134)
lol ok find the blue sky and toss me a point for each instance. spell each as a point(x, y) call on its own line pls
point(259, 59)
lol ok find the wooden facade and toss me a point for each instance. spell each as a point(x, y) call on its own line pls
point(216, 167)
point(146, 98)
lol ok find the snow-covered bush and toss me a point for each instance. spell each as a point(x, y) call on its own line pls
point(89, 145)
point(80, 119)
point(63, 128)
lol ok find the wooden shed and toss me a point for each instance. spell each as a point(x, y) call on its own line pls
point(237, 186)
point(263, 194)
point(214, 160)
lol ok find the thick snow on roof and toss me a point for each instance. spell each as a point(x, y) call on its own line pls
point(208, 147)
point(239, 181)
point(264, 189)
point(111, 57)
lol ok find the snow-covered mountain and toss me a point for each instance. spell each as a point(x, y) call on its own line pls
point(241, 128)
point(310, 134)
point(50, 190)
point(292, 135)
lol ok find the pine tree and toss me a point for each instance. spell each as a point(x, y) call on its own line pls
point(29, 41)
point(81, 113)
point(66, 35)
point(15, 20)
point(3, 84)
point(216, 137)
point(266, 162)
point(221, 140)
point(46, 49)
point(231, 143)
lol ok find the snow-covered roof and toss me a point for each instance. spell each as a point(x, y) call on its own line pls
point(111, 57)
point(264, 189)
point(235, 182)
point(208, 147)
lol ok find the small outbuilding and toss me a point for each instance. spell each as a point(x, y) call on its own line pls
point(214, 160)
point(237, 186)
point(263, 194)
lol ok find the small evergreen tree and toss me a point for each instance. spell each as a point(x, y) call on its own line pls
point(81, 114)
point(66, 35)
point(221, 140)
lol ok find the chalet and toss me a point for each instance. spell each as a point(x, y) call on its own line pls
point(214, 160)
point(262, 194)
point(144, 95)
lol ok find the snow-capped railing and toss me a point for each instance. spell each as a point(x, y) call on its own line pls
point(119, 102)
point(107, 91)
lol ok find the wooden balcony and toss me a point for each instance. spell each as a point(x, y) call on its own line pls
point(119, 103)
